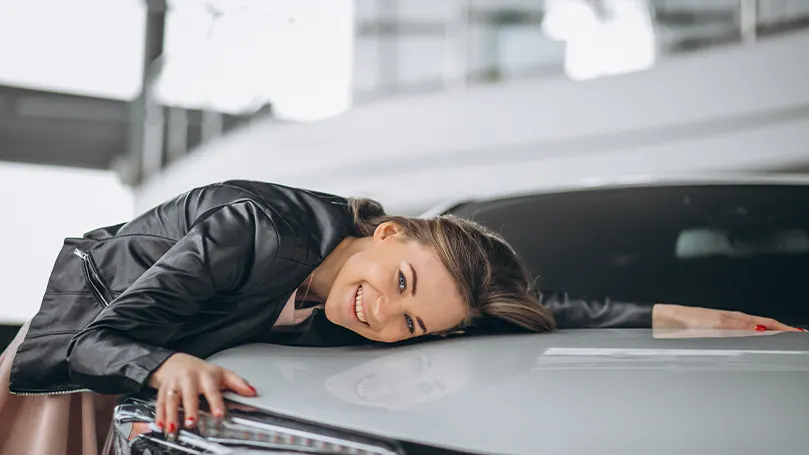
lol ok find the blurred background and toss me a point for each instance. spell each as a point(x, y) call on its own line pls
point(108, 107)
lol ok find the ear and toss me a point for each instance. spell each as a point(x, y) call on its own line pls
point(388, 229)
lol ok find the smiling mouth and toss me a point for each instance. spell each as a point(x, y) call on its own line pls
point(358, 308)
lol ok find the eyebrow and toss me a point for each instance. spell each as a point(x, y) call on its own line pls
point(421, 324)
point(413, 272)
point(413, 293)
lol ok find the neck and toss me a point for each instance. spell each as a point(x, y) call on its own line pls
point(324, 275)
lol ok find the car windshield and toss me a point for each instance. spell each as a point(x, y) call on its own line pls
point(740, 247)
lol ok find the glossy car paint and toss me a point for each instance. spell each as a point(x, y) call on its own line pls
point(569, 392)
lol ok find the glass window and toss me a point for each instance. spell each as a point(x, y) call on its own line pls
point(735, 247)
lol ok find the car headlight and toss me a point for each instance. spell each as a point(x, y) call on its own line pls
point(244, 430)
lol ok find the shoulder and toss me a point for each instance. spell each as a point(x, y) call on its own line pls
point(279, 196)
point(309, 224)
point(273, 197)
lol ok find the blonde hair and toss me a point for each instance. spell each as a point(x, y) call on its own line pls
point(489, 274)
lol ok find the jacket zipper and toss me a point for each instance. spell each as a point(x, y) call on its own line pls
point(97, 286)
point(61, 392)
point(100, 291)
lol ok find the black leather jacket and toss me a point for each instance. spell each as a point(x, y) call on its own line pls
point(208, 270)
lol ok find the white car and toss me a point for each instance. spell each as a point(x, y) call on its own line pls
point(723, 242)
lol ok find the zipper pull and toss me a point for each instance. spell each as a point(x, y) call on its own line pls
point(80, 253)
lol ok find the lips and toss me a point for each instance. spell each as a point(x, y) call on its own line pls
point(359, 306)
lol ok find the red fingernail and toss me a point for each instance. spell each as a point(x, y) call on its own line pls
point(252, 389)
point(172, 427)
point(160, 424)
point(760, 328)
point(802, 330)
point(189, 422)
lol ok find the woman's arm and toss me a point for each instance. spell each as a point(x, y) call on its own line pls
point(665, 316)
point(579, 313)
point(118, 351)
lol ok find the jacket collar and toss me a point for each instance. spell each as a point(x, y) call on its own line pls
point(317, 330)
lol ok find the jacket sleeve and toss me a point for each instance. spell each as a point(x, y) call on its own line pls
point(118, 351)
point(579, 313)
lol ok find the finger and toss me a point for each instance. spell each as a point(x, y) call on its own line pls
point(772, 324)
point(160, 414)
point(172, 405)
point(190, 401)
point(234, 382)
point(702, 333)
point(214, 396)
point(744, 321)
point(736, 321)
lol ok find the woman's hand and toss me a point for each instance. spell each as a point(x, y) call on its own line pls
point(666, 316)
point(181, 379)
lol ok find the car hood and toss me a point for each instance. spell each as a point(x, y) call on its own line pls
point(569, 392)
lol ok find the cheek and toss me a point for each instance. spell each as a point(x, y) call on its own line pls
point(370, 267)
point(352, 272)
point(449, 314)
point(391, 335)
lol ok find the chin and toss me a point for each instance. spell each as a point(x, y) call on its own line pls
point(335, 316)
point(330, 313)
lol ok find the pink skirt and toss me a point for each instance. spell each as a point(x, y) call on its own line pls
point(76, 423)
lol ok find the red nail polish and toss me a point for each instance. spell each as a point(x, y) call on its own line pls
point(190, 418)
point(252, 389)
point(760, 328)
point(160, 424)
point(802, 330)
point(172, 427)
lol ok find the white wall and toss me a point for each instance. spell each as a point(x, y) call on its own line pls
point(55, 45)
point(41, 206)
point(733, 108)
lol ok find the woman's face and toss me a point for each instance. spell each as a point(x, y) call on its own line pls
point(394, 289)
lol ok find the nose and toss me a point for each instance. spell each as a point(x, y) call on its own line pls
point(385, 308)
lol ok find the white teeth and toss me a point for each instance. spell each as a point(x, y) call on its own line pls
point(358, 306)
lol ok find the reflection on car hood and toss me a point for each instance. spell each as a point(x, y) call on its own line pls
point(570, 392)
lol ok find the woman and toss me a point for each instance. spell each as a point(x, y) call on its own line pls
point(141, 303)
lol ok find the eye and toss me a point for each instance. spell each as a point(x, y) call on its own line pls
point(402, 282)
point(410, 326)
